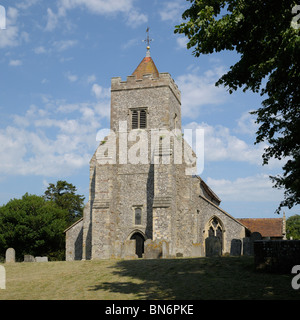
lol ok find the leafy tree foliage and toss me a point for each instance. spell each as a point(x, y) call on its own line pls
point(63, 194)
point(268, 42)
point(32, 225)
point(293, 227)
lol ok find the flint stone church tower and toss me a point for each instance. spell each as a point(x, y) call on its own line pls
point(150, 206)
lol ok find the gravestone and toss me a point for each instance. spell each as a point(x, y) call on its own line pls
point(10, 255)
point(255, 236)
point(129, 250)
point(248, 243)
point(213, 247)
point(41, 259)
point(29, 258)
point(246, 246)
point(153, 249)
point(2, 278)
point(236, 247)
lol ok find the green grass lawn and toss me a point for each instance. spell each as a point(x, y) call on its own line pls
point(165, 279)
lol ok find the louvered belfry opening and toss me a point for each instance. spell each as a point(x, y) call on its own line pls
point(135, 119)
point(139, 119)
point(143, 119)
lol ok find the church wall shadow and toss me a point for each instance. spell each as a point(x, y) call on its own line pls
point(194, 279)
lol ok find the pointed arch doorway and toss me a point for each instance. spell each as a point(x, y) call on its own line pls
point(139, 243)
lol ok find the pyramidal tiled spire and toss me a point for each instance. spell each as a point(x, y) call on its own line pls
point(147, 65)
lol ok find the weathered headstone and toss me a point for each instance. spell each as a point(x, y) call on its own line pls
point(248, 243)
point(236, 247)
point(41, 259)
point(153, 249)
point(10, 255)
point(29, 258)
point(213, 247)
point(255, 236)
point(2, 277)
point(129, 250)
point(246, 246)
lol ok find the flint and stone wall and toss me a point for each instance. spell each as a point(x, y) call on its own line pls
point(175, 210)
point(74, 238)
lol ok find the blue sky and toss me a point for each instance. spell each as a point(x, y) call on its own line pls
point(57, 59)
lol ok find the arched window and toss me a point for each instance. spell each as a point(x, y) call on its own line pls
point(215, 229)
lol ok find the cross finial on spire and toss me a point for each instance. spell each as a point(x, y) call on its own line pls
point(148, 40)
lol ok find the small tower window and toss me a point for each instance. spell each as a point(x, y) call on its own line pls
point(139, 119)
point(138, 216)
point(143, 119)
point(135, 119)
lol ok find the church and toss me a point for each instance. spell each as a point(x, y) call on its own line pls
point(143, 200)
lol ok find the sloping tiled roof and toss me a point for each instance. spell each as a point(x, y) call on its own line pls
point(147, 66)
point(267, 227)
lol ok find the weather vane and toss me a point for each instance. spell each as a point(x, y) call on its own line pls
point(148, 40)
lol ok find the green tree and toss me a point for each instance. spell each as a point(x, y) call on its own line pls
point(64, 195)
point(268, 42)
point(32, 225)
point(293, 227)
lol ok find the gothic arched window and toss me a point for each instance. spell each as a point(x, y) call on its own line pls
point(215, 229)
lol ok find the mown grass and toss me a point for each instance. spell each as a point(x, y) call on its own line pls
point(165, 279)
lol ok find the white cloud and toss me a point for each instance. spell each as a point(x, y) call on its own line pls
point(100, 92)
point(103, 109)
point(64, 44)
point(54, 139)
point(172, 11)
point(130, 43)
point(53, 19)
point(57, 46)
point(100, 7)
point(15, 63)
point(67, 108)
point(199, 91)
point(40, 50)
point(182, 42)
point(246, 124)
point(71, 77)
point(10, 36)
point(26, 4)
point(256, 188)
point(91, 78)
point(221, 145)
point(135, 19)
